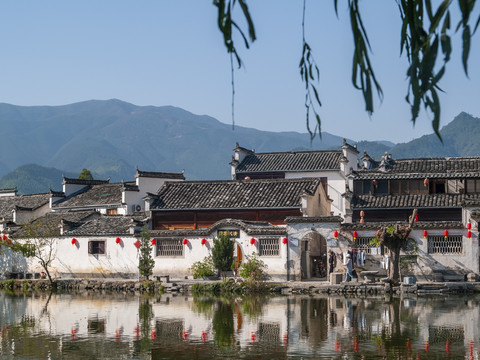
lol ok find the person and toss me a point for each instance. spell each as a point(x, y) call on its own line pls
point(332, 261)
point(349, 267)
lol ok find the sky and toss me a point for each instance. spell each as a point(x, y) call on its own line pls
point(158, 52)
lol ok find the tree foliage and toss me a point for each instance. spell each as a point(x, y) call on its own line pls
point(145, 259)
point(38, 240)
point(395, 238)
point(85, 174)
point(222, 253)
point(425, 39)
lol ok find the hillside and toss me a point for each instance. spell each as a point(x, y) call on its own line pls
point(112, 137)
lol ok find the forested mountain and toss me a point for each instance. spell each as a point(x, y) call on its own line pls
point(111, 137)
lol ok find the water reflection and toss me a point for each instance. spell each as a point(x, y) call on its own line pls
point(113, 325)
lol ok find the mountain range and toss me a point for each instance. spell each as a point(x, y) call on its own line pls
point(112, 137)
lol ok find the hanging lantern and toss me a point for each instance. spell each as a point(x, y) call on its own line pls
point(335, 234)
point(355, 234)
point(375, 183)
point(185, 335)
point(284, 241)
point(469, 234)
point(118, 240)
point(154, 242)
point(469, 226)
point(74, 241)
point(137, 244)
point(252, 241)
point(416, 217)
point(425, 234)
point(425, 182)
point(204, 241)
point(362, 215)
point(445, 233)
point(4, 237)
point(185, 241)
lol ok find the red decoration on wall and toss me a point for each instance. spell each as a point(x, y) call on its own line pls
point(362, 215)
point(284, 241)
point(425, 182)
point(154, 242)
point(355, 234)
point(137, 244)
point(118, 240)
point(469, 226)
point(445, 233)
point(185, 241)
point(469, 234)
point(416, 217)
point(204, 241)
point(252, 241)
point(425, 234)
point(74, 241)
point(335, 234)
point(4, 237)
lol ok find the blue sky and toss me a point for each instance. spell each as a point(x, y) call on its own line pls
point(154, 52)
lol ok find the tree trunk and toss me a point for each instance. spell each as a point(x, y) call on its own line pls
point(394, 265)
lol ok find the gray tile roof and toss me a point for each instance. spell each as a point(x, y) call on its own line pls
point(412, 201)
point(420, 168)
point(84, 182)
point(162, 175)
point(417, 225)
point(250, 194)
point(106, 225)
point(104, 194)
point(52, 221)
point(291, 161)
point(252, 228)
point(31, 202)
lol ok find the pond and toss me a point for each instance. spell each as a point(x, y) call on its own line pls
point(124, 326)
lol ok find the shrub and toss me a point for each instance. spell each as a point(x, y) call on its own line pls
point(203, 268)
point(222, 253)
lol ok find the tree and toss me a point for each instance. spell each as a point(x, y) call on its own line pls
point(222, 254)
point(425, 34)
point(38, 240)
point(395, 238)
point(85, 174)
point(145, 260)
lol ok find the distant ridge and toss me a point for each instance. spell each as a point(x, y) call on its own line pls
point(111, 137)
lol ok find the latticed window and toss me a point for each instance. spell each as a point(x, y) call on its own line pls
point(269, 247)
point(169, 247)
point(363, 244)
point(441, 245)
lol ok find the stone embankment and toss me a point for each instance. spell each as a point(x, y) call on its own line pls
point(290, 287)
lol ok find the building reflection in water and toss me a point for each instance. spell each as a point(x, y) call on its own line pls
point(103, 325)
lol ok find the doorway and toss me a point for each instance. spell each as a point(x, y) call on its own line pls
point(313, 262)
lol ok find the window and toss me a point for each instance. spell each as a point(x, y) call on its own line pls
point(382, 187)
point(361, 187)
point(473, 186)
point(169, 247)
point(450, 245)
point(363, 244)
point(111, 211)
point(269, 247)
point(96, 247)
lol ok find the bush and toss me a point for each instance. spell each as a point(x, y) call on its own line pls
point(253, 268)
point(203, 268)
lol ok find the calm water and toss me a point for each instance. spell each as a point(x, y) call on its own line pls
point(120, 326)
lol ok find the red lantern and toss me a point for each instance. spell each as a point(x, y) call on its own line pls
point(469, 226)
point(154, 242)
point(425, 182)
point(4, 237)
point(469, 234)
point(335, 234)
point(118, 240)
point(445, 233)
point(355, 235)
point(185, 241)
point(284, 241)
point(204, 241)
point(416, 217)
point(74, 241)
point(425, 234)
point(252, 241)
